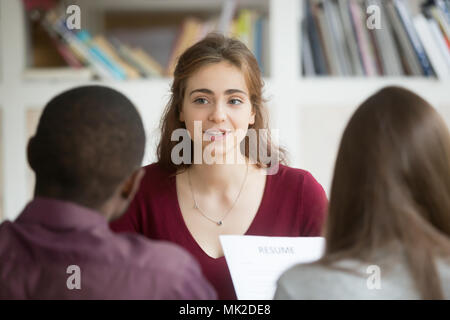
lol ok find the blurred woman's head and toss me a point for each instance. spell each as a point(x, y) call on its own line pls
point(392, 183)
point(217, 82)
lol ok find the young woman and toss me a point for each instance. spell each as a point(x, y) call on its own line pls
point(388, 227)
point(220, 181)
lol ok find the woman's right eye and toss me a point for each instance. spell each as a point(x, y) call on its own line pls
point(201, 101)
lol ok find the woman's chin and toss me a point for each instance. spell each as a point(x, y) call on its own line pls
point(220, 154)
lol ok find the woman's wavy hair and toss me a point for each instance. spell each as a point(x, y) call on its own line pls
point(215, 48)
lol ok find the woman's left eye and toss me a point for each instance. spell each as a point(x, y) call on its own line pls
point(235, 101)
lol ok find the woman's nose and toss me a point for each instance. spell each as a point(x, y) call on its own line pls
point(218, 113)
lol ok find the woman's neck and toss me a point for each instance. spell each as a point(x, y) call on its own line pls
point(209, 178)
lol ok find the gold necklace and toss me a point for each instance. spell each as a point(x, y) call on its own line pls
point(196, 206)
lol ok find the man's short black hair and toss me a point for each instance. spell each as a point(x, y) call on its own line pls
point(88, 140)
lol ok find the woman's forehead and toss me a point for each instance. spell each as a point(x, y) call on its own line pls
point(218, 78)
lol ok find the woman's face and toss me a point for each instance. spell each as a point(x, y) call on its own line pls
point(218, 98)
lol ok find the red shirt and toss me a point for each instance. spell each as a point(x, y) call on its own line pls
point(294, 204)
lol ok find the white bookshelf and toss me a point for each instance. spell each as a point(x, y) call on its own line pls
point(310, 113)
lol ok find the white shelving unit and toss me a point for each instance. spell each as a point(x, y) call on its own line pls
point(309, 113)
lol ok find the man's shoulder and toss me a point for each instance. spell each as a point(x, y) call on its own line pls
point(168, 269)
point(142, 253)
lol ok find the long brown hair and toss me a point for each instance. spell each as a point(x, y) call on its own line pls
point(391, 184)
point(215, 48)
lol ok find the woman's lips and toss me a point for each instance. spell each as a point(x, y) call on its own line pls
point(215, 135)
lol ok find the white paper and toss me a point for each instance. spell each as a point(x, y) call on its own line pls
point(256, 263)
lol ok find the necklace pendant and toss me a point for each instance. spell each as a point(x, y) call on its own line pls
point(219, 223)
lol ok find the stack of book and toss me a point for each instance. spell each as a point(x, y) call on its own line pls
point(144, 53)
point(375, 38)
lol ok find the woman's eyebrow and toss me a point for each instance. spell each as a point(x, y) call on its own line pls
point(227, 92)
point(231, 91)
point(201, 90)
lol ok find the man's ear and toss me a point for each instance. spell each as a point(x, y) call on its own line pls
point(131, 185)
point(30, 151)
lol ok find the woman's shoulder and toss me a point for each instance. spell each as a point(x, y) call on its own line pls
point(346, 280)
point(155, 171)
point(286, 172)
point(156, 178)
point(295, 177)
point(303, 281)
point(306, 274)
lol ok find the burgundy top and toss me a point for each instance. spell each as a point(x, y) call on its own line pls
point(293, 204)
point(51, 235)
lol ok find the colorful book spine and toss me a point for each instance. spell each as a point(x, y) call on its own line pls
point(408, 24)
point(352, 45)
point(63, 48)
point(116, 71)
point(436, 58)
point(78, 47)
point(411, 61)
point(320, 63)
point(363, 40)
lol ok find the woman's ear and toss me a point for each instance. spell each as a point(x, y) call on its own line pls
point(252, 118)
point(181, 117)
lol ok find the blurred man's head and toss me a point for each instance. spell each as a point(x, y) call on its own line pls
point(88, 149)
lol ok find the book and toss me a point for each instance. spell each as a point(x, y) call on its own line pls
point(258, 41)
point(226, 16)
point(352, 46)
point(364, 42)
point(128, 55)
point(266, 48)
point(326, 37)
point(70, 57)
point(157, 41)
point(387, 48)
point(408, 24)
point(440, 17)
point(307, 54)
point(245, 27)
point(439, 40)
point(147, 62)
point(410, 59)
point(320, 63)
point(186, 37)
point(436, 58)
point(337, 37)
point(116, 70)
point(102, 43)
point(76, 45)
